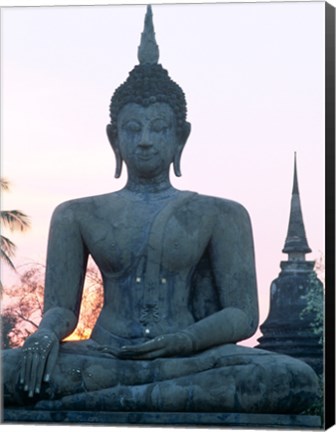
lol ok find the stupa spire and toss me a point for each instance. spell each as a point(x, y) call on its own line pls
point(296, 245)
point(148, 51)
point(295, 179)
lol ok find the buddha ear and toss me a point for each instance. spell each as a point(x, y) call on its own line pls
point(113, 139)
point(182, 141)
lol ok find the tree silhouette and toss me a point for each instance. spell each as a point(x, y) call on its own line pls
point(25, 305)
point(23, 313)
point(92, 302)
point(8, 324)
point(14, 220)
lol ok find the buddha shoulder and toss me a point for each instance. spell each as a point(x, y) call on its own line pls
point(198, 207)
point(221, 208)
point(81, 208)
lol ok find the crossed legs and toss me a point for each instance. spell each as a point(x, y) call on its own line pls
point(230, 378)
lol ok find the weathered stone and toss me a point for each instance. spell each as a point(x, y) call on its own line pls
point(152, 418)
point(179, 289)
point(289, 327)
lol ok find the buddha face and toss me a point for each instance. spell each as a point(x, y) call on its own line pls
point(147, 139)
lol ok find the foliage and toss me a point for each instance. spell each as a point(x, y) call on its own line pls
point(25, 305)
point(14, 220)
point(8, 323)
point(315, 310)
point(315, 302)
point(92, 302)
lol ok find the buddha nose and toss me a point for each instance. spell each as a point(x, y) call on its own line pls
point(145, 140)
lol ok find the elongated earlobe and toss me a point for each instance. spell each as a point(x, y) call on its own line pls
point(114, 144)
point(177, 164)
point(177, 158)
point(118, 168)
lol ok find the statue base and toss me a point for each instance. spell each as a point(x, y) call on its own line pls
point(241, 420)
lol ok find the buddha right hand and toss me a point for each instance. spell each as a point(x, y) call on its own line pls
point(40, 353)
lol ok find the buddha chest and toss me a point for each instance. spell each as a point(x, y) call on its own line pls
point(129, 236)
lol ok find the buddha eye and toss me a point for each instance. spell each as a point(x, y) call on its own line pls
point(159, 125)
point(132, 126)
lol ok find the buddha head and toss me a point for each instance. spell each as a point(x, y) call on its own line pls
point(149, 90)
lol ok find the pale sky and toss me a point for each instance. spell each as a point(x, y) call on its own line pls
point(253, 75)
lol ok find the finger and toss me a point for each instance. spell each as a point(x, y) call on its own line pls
point(151, 345)
point(51, 361)
point(39, 373)
point(151, 355)
point(27, 370)
point(23, 368)
point(130, 352)
point(33, 374)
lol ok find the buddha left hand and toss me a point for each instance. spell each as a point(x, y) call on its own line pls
point(162, 346)
point(39, 357)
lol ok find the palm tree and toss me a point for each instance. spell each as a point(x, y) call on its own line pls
point(14, 220)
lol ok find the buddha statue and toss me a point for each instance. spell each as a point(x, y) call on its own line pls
point(179, 282)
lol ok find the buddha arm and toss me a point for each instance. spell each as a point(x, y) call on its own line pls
point(228, 325)
point(66, 264)
point(232, 260)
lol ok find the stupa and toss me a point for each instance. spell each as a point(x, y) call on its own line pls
point(290, 327)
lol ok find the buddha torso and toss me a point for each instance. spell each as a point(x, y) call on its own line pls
point(147, 248)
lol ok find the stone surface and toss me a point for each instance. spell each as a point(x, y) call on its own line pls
point(288, 329)
point(176, 418)
point(148, 52)
point(179, 288)
point(296, 241)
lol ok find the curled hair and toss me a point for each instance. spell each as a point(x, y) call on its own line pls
point(145, 85)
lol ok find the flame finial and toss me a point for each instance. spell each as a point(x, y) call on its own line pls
point(148, 51)
point(296, 240)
